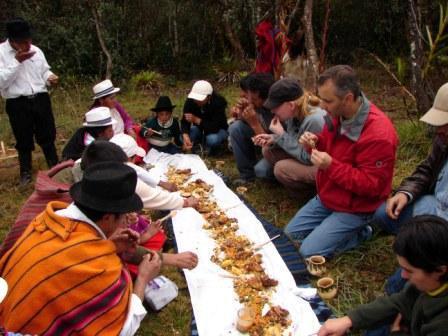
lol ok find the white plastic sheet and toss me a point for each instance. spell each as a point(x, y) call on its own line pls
point(214, 301)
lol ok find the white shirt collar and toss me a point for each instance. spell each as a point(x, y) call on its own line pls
point(73, 212)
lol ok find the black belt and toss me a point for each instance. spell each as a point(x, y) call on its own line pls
point(30, 96)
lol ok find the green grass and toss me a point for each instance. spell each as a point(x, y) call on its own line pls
point(360, 274)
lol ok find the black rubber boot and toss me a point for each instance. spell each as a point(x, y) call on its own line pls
point(25, 167)
point(51, 156)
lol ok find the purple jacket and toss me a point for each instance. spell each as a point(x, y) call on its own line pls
point(127, 120)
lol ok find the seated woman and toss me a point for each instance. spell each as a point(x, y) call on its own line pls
point(204, 118)
point(421, 308)
point(284, 157)
point(162, 130)
point(98, 125)
point(104, 95)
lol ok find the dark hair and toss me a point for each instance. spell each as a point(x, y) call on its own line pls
point(344, 79)
point(96, 131)
point(297, 46)
point(94, 215)
point(244, 83)
point(100, 151)
point(260, 82)
point(423, 242)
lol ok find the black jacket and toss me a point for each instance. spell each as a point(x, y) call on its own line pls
point(213, 114)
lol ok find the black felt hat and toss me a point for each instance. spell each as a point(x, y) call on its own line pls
point(18, 29)
point(163, 104)
point(108, 187)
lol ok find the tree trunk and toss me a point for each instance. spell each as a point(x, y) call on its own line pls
point(324, 38)
point(419, 85)
point(98, 26)
point(309, 40)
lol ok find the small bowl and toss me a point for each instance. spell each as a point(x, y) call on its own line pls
point(326, 287)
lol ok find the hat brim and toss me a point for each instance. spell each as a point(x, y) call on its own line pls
point(115, 90)
point(271, 104)
point(435, 117)
point(111, 123)
point(165, 108)
point(140, 152)
point(125, 205)
point(197, 96)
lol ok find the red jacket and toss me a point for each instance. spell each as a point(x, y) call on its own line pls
point(359, 178)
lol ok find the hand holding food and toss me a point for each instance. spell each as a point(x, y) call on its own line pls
point(308, 140)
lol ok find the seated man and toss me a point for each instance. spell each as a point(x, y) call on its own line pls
point(252, 119)
point(424, 192)
point(64, 274)
point(355, 156)
point(204, 119)
point(421, 308)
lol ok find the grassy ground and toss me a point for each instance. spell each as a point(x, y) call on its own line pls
point(360, 273)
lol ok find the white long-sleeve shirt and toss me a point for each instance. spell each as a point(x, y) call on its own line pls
point(22, 79)
point(157, 198)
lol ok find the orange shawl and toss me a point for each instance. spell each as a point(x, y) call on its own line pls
point(63, 279)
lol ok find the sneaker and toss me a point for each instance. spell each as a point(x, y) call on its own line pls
point(242, 181)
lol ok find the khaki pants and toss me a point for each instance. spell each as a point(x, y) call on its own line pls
point(295, 176)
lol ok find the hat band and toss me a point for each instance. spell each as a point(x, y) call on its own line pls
point(105, 92)
point(99, 122)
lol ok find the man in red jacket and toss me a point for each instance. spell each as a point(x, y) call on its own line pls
point(355, 155)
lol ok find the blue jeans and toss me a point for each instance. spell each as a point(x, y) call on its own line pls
point(212, 140)
point(322, 231)
point(263, 169)
point(425, 205)
point(243, 149)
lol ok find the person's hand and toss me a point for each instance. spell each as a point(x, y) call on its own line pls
point(148, 132)
point(192, 118)
point(308, 140)
point(191, 202)
point(249, 115)
point(395, 204)
point(125, 240)
point(321, 160)
point(335, 327)
point(149, 267)
point(154, 227)
point(396, 325)
point(276, 126)
point(168, 186)
point(263, 140)
point(53, 79)
point(22, 55)
point(187, 260)
point(187, 145)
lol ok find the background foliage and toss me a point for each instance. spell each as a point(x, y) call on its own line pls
point(183, 38)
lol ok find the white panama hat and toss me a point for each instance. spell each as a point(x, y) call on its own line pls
point(104, 88)
point(99, 116)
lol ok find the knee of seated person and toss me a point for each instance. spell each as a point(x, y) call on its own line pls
point(306, 250)
point(237, 129)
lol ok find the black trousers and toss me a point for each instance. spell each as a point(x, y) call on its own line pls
point(29, 118)
point(32, 118)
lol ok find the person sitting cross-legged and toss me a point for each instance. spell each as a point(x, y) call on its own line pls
point(64, 273)
point(421, 308)
point(354, 156)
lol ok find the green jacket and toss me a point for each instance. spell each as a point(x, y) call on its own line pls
point(424, 315)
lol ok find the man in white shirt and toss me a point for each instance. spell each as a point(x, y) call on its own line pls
point(24, 77)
